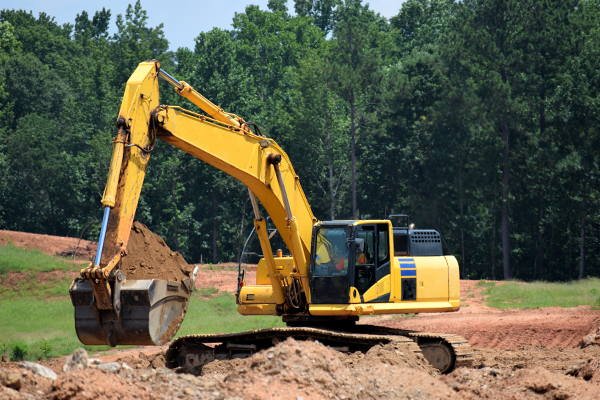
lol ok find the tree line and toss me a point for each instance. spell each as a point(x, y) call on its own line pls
point(478, 118)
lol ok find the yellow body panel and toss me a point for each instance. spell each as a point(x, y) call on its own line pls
point(381, 288)
point(432, 279)
point(396, 282)
point(257, 309)
point(453, 282)
point(379, 308)
point(284, 265)
point(324, 310)
point(257, 294)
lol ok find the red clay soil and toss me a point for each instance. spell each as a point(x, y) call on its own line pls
point(504, 329)
point(309, 370)
point(223, 279)
point(550, 327)
point(53, 245)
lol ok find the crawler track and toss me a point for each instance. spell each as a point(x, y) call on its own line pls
point(444, 351)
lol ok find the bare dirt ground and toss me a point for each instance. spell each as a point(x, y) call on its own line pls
point(486, 327)
point(518, 354)
point(309, 370)
point(54, 245)
point(223, 276)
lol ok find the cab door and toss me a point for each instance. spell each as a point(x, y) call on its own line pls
point(372, 268)
point(365, 273)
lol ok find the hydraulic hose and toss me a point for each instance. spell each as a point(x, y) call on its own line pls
point(102, 236)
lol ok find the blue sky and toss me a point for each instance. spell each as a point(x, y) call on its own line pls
point(183, 20)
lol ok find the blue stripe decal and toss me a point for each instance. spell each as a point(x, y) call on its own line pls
point(406, 259)
point(408, 272)
point(408, 265)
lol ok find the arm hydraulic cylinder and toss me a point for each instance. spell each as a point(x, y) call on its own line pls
point(263, 235)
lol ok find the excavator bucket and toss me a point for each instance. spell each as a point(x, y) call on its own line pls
point(150, 312)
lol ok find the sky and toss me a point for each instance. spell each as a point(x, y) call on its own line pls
point(183, 22)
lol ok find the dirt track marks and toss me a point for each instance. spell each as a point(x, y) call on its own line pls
point(550, 327)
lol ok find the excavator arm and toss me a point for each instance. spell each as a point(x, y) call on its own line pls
point(222, 140)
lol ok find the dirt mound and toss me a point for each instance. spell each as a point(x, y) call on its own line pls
point(143, 361)
point(588, 370)
point(391, 354)
point(555, 360)
point(18, 383)
point(309, 370)
point(314, 371)
point(94, 384)
point(149, 257)
point(523, 384)
point(223, 367)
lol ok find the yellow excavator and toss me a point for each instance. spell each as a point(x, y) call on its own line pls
point(337, 271)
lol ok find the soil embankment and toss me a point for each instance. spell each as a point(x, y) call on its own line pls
point(53, 245)
point(309, 370)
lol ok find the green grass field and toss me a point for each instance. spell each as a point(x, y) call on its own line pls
point(15, 259)
point(542, 294)
point(39, 316)
point(219, 315)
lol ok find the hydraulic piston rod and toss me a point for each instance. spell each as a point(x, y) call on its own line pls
point(102, 236)
point(212, 110)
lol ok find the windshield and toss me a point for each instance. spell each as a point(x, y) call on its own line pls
point(330, 273)
point(332, 253)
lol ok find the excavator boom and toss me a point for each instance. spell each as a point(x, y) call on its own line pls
point(222, 140)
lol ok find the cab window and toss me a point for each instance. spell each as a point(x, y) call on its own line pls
point(367, 257)
point(383, 246)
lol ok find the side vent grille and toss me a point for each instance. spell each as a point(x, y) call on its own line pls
point(425, 242)
point(426, 237)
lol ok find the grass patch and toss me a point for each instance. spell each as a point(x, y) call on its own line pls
point(36, 329)
point(205, 293)
point(43, 329)
point(219, 315)
point(217, 267)
point(544, 294)
point(485, 284)
point(30, 286)
point(15, 259)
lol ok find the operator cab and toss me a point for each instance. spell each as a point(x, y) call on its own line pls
point(349, 258)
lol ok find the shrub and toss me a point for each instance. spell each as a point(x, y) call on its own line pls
point(18, 352)
point(47, 349)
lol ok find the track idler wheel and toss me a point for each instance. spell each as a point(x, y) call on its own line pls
point(440, 355)
point(193, 357)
